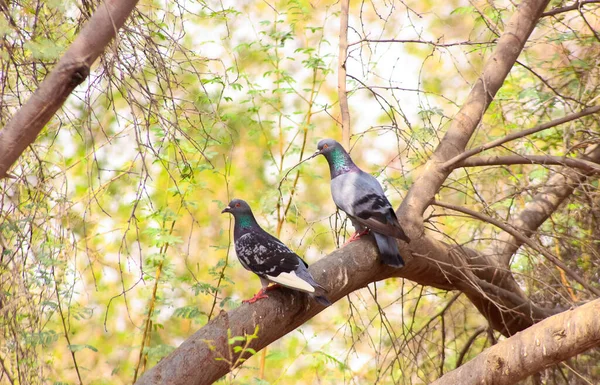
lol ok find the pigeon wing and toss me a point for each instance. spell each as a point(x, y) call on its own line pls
point(268, 257)
point(361, 196)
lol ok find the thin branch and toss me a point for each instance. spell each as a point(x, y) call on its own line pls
point(515, 233)
point(568, 8)
point(148, 326)
point(448, 165)
point(416, 41)
point(468, 344)
point(342, 56)
point(497, 160)
point(5, 369)
point(65, 329)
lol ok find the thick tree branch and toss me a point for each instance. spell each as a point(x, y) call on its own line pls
point(342, 272)
point(558, 188)
point(497, 67)
point(71, 70)
point(457, 160)
point(512, 231)
point(549, 342)
point(342, 56)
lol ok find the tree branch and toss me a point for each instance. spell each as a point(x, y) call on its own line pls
point(342, 55)
point(555, 191)
point(516, 135)
point(497, 67)
point(496, 160)
point(341, 272)
point(516, 234)
point(568, 8)
point(71, 70)
point(417, 41)
point(549, 342)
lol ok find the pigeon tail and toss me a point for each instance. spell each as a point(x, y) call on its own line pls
point(319, 293)
point(388, 250)
point(322, 300)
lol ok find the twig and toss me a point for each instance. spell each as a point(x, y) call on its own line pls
point(222, 272)
point(342, 55)
point(515, 233)
point(148, 326)
point(495, 143)
point(5, 369)
point(62, 318)
point(467, 346)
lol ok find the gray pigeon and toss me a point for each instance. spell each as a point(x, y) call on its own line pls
point(267, 257)
point(361, 197)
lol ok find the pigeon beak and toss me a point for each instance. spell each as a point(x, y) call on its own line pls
point(226, 210)
point(317, 153)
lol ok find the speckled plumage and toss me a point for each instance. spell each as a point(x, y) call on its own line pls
point(267, 257)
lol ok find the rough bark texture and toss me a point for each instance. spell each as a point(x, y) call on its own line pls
point(558, 188)
point(482, 277)
point(342, 272)
point(496, 69)
point(493, 291)
point(71, 70)
point(549, 342)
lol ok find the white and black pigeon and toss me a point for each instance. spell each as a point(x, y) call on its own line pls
point(267, 257)
point(361, 197)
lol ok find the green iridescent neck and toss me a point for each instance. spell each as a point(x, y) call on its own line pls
point(244, 220)
point(338, 159)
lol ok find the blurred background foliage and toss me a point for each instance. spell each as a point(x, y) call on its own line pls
point(113, 246)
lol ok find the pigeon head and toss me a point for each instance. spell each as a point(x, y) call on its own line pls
point(327, 146)
point(337, 157)
point(241, 211)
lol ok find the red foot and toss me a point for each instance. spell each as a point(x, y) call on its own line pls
point(356, 236)
point(261, 294)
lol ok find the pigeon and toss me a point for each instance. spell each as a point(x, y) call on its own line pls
point(361, 197)
point(267, 257)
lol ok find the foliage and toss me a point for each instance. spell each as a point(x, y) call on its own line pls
point(113, 249)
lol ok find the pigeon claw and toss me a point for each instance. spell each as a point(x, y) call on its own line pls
point(260, 295)
point(356, 236)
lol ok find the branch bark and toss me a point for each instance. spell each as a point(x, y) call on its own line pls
point(342, 55)
point(557, 189)
point(448, 165)
point(342, 272)
point(506, 160)
point(497, 67)
point(71, 70)
point(435, 263)
point(521, 238)
point(549, 342)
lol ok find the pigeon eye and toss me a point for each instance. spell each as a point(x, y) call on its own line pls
point(237, 205)
point(325, 146)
